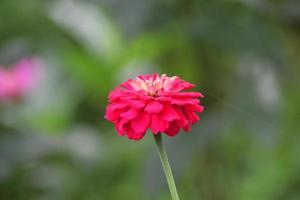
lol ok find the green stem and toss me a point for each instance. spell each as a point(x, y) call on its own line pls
point(166, 166)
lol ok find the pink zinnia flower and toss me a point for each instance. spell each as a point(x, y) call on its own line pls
point(18, 79)
point(153, 102)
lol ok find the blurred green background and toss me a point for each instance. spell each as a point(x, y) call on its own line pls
point(242, 54)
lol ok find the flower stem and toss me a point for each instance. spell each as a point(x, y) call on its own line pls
point(166, 166)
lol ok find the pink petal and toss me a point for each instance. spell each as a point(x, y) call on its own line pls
point(26, 73)
point(165, 99)
point(130, 114)
point(154, 107)
point(148, 76)
point(120, 126)
point(116, 94)
point(158, 124)
point(184, 101)
point(133, 135)
point(187, 128)
point(127, 84)
point(182, 121)
point(173, 129)
point(114, 116)
point(141, 122)
point(169, 114)
point(116, 106)
point(179, 84)
point(137, 103)
point(113, 111)
point(194, 108)
point(191, 116)
point(186, 94)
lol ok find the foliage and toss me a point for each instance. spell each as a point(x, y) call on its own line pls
point(243, 55)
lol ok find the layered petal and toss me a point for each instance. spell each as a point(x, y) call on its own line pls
point(120, 126)
point(133, 134)
point(158, 124)
point(169, 113)
point(141, 122)
point(154, 107)
point(130, 114)
point(173, 129)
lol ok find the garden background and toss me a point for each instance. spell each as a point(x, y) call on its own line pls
point(243, 55)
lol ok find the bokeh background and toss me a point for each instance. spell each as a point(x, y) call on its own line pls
point(242, 54)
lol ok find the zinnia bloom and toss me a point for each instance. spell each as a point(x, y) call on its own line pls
point(153, 102)
point(18, 79)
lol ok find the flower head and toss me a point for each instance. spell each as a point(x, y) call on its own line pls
point(17, 80)
point(153, 102)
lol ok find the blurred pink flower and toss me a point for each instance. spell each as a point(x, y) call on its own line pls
point(153, 102)
point(17, 80)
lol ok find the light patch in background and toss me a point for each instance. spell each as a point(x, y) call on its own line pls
point(264, 79)
point(84, 143)
point(266, 83)
point(132, 16)
point(88, 24)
